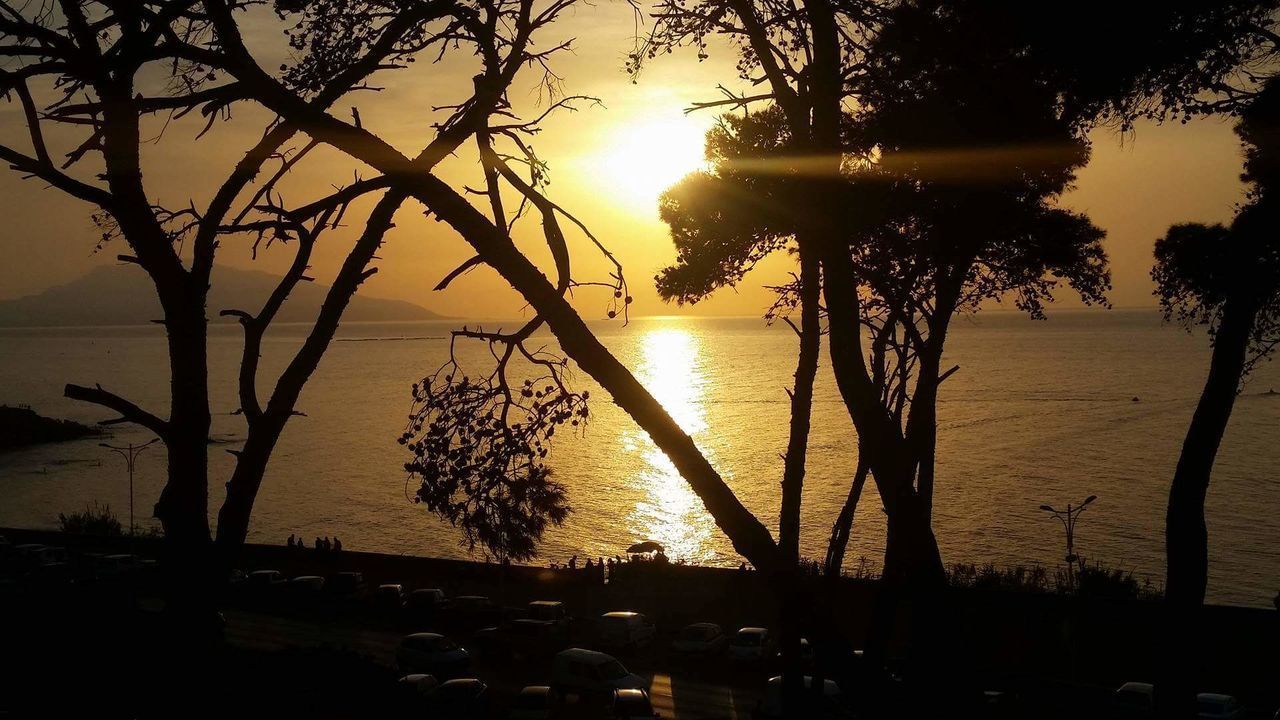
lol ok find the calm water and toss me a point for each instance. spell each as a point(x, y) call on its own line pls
point(1039, 413)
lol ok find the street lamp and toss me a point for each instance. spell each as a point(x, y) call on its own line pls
point(1068, 519)
point(130, 454)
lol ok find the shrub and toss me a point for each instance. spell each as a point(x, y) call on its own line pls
point(93, 520)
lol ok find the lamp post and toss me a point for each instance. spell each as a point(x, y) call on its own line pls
point(1068, 519)
point(130, 454)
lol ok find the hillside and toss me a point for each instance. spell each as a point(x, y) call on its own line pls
point(123, 295)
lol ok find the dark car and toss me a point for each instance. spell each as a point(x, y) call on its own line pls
point(632, 704)
point(346, 586)
point(522, 638)
point(471, 612)
point(461, 698)
point(388, 598)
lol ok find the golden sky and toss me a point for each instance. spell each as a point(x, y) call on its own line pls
point(608, 163)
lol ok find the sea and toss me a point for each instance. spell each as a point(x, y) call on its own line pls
point(1085, 402)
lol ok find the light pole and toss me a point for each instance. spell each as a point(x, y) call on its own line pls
point(130, 454)
point(1068, 519)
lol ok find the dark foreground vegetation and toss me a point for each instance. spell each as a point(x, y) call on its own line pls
point(285, 652)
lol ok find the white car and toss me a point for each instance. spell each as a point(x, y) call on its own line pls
point(431, 653)
point(624, 630)
point(830, 706)
point(700, 639)
point(751, 644)
point(1215, 706)
point(588, 671)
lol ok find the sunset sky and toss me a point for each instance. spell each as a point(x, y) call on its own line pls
point(608, 165)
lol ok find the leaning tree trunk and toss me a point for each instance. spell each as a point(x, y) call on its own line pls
point(266, 425)
point(1186, 537)
point(842, 528)
point(793, 479)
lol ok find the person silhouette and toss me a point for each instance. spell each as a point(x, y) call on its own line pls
point(573, 562)
point(319, 543)
point(337, 544)
point(291, 542)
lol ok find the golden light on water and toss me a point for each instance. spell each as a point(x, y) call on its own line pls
point(669, 512)
point(645, 158)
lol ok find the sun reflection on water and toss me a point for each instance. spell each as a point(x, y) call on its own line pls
point(671, 367)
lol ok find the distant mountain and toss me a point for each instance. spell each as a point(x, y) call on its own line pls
point(122, 295)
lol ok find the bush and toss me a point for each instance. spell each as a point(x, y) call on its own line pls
point(93, 520)
point(1095, 581)
point(989, 577)
point(1103, 583)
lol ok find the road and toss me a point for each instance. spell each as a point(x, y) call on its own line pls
point(675, 693)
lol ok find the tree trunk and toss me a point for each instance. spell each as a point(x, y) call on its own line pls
point(801, 409)
point(265, 429)
point(843, 526)
point(887, 452)
point(1186, 537)
point(922, 422)
point(793, 480)
point(183, 506)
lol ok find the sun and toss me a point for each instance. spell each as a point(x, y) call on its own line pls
point(640, 160)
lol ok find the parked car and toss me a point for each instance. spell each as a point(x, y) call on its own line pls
point(700, 639)
point(631, 704)
point(55, 573)
point(346, 586)
point(751, 644)
point(389, 597)
point(1216, 706)
point(425, 599)
point(806, 652)
point(550, 611)
point(28, 556)
point(470, 612)
point(306, 589)
point(424, 607)
point(589, 672)
point(523, 637)
point(461, 698)
point(431, 653)
point(830, 706)
point(264, 579)
point(1134, 700)
point(535, 702)
point(624, 630)
point(416, 686)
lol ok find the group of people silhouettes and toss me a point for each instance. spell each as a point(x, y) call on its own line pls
point(598, 568)
point(323, 544)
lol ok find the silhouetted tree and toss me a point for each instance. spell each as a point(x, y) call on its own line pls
point(102, 69)
point(492, 241)
point(1142, 60)
point(1068, 71)
point(1226, 279)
